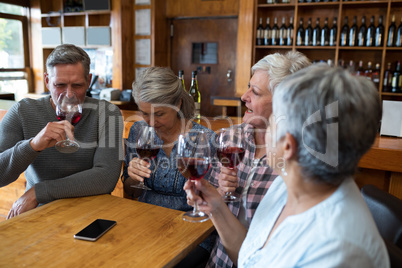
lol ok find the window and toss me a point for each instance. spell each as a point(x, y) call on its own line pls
point(14, 63)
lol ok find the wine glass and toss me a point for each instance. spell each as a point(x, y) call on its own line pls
point(230, 152)
point(148, 146)
point(194, 161)
point(68, 107)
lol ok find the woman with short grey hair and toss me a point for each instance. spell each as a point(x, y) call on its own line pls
point(313, 214)
point(165, 105)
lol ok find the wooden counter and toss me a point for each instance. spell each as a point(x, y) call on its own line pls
point(144, 236)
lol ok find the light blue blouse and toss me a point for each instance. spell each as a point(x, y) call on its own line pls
point(338, 232)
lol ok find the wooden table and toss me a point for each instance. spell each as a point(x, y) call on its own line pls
point(145, 235)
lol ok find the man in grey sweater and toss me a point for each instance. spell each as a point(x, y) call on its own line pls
point(30, 129)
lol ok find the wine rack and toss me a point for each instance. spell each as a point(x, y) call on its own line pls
point(331, 9)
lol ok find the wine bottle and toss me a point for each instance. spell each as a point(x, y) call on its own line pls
point(368, 73)
point(387, 83)
point(282, 33)
point(275, 33)
point(379, 33)
point(267, 34)
point(396, 79)
point(391, 33)
point(376, 76)
point(317, 33)
point(360, 70)
point(300, 33)
point(351, 67)
point(289, 33)
point(345, 33)
point(370, 33)
point(325, 34)
point(308, 36)
point(181, 78)
point(333, 33)
point(398, 41)
point(362, 33)
point(259, 35)
point(195, 94)
point(353, 33)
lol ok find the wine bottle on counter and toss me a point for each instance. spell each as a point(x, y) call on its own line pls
point(195, 94)
point(289, 32)
point(370, 41)
point(282, 33)
point(398, 41)
point(362, 33)
point(308, 37)
point(391, 33)
point(317, 33)
point(259, 36)
point(345, 33)
point(387, 83)
point(376, 76)
point(325, 34)
point(275, 33)
point(353, 33)
point(379, 33)
point(300, 33)
point(267, 34)
point(333, 33)
point(181, 78)
point(396, 79)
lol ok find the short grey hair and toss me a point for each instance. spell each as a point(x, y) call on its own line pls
point(279, 66)
point(68, 54)
point(159, 85)
point(329, 111)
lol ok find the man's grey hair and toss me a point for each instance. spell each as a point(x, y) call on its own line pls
point(278, 66)
point(159, 85)
point(333, 115)
point(68, 54)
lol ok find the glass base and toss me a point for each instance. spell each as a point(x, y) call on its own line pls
point(231, 197)
point(67, 146)
point(198, 216)
point(140, 185)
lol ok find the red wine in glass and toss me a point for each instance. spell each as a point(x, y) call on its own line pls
point(230, 157)
point(147, 153)
point(193, 168)
point(74, 119)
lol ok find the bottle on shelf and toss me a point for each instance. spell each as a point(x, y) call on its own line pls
point(376, 76)
point(360, 69)
point(351, 67)
point(370, 37)
point(333, 33)
point(195, 94)
point(353, 33)
point(317, 33)
point(398, 41)
point(259, 35)
point(181, 78)
point(361, 37)
point(300, 34)
point(391, 33)
point(325, 34)
point(396, 79)
point(368, 73)
point(283, 39)
point(344, 33)
point(308, 36)
point(275, 33)
point(267, 34)
point(379, 33)
point(387, 82)
point(289, 32)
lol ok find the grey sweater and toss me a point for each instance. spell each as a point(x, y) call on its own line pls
point(93, 169)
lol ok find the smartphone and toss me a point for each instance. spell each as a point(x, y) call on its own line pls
point(95, 230)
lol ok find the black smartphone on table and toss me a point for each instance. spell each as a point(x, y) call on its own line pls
point(95, 230)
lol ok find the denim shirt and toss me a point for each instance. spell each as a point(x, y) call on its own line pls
point(166, 181)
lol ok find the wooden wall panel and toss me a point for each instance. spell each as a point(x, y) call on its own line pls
point(202, 8)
